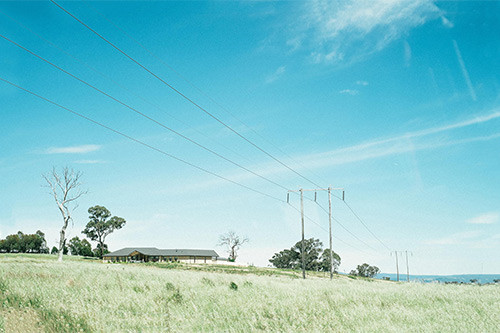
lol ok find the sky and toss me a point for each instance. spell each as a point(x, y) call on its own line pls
point(397, 102)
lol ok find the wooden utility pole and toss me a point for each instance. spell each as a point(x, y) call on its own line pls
point(301, 190)
point(330, 227)
point(397, 265)
point(407, 267)
point(303, 245)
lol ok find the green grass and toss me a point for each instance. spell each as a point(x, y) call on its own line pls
point(88, 296)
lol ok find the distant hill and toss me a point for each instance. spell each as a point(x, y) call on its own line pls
point(465, 278)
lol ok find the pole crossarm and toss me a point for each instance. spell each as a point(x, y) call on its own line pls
point(317, 189)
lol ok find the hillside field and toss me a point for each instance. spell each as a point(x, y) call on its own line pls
point(38, 294)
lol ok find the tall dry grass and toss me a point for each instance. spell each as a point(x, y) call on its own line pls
point(87, 296)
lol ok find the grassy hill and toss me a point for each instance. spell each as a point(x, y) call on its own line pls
point(39, 294)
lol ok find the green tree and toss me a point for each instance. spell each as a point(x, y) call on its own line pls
point(55, 250)
point(13, 243)
point(325, 261)
point(79, 247)
point(313, 256)
point(42, 242)
point(97, 251)
point(101, 224)
point(285, 259)
point(312, 251)
point(365, 270)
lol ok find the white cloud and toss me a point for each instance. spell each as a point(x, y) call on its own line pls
point(465, 73)
point(350, 30)
point(362, 83)
point(83, 149)
point(294, 43)
point(351, 92)
point(377, 148)
point(446, 22)
point(487, 218)
point(459, 238)
point(276, 75)
point(407, 54)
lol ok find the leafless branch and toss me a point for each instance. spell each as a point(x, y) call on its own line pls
point(64, 190)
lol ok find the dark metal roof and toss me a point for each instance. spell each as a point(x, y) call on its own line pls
point(153, 251)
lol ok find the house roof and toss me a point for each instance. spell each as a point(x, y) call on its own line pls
point(153, 251)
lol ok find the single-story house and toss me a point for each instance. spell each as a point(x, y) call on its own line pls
point(152, 254)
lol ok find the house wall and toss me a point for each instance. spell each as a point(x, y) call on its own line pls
point(184, 259)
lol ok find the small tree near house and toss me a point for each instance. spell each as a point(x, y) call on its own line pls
point(232, 242)
point(101, 224)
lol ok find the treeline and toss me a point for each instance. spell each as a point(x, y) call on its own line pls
point(81, 247)
point(24, 243)
point(36, 243)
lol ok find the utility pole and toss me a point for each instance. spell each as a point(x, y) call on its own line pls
point(397, 265)
point(407, 266)
point(301, 190)
point(330, 227)
point(303, 242)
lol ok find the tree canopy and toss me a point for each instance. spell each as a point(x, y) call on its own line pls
point(80, 247)
point(101, 224)
point(24, 243)
point(365, 270)
point(316, 259)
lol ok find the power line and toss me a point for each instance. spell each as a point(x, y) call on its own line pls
point(120, 85)
point(183, 95)
point(141, 142)
point(164, 152)
point(145, 115)
point(189, 82)
point(326, 230)
point(345, 228)
point(191, 101)
point(366, 227)
point(168, 154)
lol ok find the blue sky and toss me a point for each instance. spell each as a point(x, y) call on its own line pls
point(396, 101)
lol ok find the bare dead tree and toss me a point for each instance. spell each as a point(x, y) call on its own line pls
point(65, 190)
point(232, 242)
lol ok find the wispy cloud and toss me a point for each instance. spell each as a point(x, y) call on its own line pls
point(465, 73)
point(276, 75)
point(351, 92)
point(378, 148)
point(362, 83)
point(447, 23)
point(350, 30)
point(460, 238)
point(487, 218)
point(407, 53)
point(83, 149)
